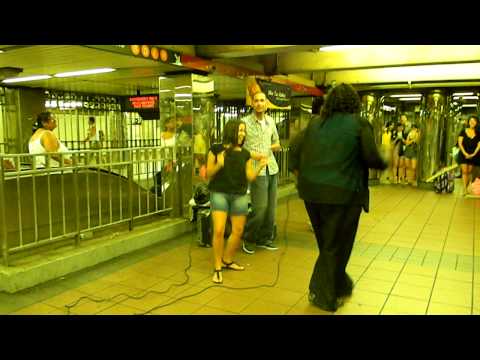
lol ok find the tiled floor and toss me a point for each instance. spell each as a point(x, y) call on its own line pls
point(416, 253)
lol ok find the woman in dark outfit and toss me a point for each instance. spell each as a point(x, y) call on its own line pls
point(469, 144)
point(229, 168)
point(331, 158)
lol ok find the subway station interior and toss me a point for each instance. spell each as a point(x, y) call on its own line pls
point(114, 232)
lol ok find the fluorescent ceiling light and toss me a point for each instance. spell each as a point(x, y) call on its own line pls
point(405, 95)
point(182, 87)
point(465, 97)
point(410, 99)
point(1, 51)
point(469, 105)
point(183, 100)
point(340, 47)
point(161, 78)
point(463, 94)
point(84, 72)
point(164, 90)
point(183, 95)
point(26, 78)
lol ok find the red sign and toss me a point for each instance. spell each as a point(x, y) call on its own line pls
point(143, 102)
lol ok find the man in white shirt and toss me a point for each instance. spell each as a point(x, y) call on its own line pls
point(262, 140)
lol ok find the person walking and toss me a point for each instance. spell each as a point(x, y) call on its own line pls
point(330, 159)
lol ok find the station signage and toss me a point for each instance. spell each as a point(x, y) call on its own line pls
point(278, 95)
point(142, 102)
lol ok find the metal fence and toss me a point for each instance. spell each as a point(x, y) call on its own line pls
point(43, 202)
point(284, 177)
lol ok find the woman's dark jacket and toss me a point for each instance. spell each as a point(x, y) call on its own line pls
point(332, 158)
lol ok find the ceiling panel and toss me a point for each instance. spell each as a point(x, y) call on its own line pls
point(133, 73)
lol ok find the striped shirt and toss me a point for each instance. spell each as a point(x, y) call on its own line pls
point(260, 139)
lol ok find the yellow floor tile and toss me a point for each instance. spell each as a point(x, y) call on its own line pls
point(141, 281)
point(351, 308)
point(116, 293)
point(305, 308)
point(146, 302)
point(445, 309)
point(380, 286)
point(64, 298)
point(178, 308)
point(88, 307)
point(443, 296)
point(207, 310)
point(369, 298)
point(455, 275)
point(397, 305)
point(93, 287)
point(36, 309)
point(425, 271)
point(380, 274)
point(120, 309)
point(453, 285)
point(411, 291)
point(198, 294)
point(231, 302)
point(262, 307)
point(281, 296)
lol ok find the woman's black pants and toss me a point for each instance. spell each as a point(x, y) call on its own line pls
point(335, 227)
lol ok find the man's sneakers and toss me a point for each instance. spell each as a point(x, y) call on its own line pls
point(248, 247)
point(268, 246)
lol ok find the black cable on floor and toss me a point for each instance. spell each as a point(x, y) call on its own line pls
point(138, 297)
point(187, 279)
point(285, 238)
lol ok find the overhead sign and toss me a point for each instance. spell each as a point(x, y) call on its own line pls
point(142, 102)
point(278, 95)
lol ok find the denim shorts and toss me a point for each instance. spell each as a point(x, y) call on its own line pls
point(230, 203)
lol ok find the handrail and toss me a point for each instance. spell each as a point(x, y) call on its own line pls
point(98, 189)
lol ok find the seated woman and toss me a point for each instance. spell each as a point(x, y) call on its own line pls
point(44, 141)
point(229, 168)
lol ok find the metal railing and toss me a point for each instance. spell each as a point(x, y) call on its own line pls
point(43, 202)
point(284, 177)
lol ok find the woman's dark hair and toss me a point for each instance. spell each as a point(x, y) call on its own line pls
point(342, 98)
point(472, 117)
point(91, 119)
point(230, 132)
point(42, 118)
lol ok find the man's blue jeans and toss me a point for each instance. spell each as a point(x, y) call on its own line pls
point(260, 227)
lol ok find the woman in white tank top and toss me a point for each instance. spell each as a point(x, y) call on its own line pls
point(45, 141)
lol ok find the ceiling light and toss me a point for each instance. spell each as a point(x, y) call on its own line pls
point(1, 51)
point(405, 95)
point(182, 87)
point(84, 72)
point(164, 90)
point(26, 78)
point(410, 99)
point(340, 47)
point(469, 105)
point(462, 94)
point(161, 78)
point(465, 97)
point(183, 95)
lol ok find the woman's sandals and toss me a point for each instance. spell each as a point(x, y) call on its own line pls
point(217, 276)
point(232, 266)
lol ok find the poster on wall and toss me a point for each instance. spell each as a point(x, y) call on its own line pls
point(278, 95)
